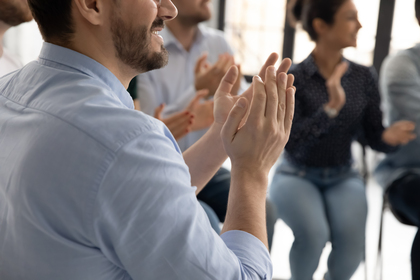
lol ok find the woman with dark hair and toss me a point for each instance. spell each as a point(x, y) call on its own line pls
point(317, 193)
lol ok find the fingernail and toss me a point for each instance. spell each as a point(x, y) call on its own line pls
point(241, 103)
point(258, 78)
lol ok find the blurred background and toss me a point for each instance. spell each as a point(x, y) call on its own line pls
point(256, 28)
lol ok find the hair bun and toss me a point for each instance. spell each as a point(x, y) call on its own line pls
point(295, 10)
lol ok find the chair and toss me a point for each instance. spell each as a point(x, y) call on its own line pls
point(386, 205)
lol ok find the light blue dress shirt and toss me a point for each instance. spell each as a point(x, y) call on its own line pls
point(174, 84)
point(91, 189)
point(400, 89)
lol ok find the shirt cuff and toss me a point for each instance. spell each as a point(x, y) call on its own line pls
point(250, 251)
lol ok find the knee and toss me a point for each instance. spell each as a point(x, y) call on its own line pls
point(312, 237)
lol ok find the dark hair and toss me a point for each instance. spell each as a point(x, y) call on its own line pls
point(417, 9)
point(306, 11)
point(54, 19)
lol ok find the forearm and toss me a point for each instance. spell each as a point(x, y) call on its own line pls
point(246, 207)
point(205, 157)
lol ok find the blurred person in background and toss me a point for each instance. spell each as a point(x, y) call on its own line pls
point(199, 57)
point(399, 172)
point(12, 13)
point(317, 192)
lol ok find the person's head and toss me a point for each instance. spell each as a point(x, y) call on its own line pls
point(193, 12)
point(14, 12)
point(333, 20)
point(128, 26)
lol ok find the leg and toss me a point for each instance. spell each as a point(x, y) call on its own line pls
point(300, 205)
point(214, 221)
point(346, 206)
point(404, 197)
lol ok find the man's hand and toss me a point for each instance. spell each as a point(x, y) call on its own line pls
point(255, 147)
point(224, 99)
point(202, 111)
point(179, 124)
point(399, 133)
point(209, 76)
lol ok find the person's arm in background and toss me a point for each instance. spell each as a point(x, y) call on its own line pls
point(308, 129)
point(380, 138)
point(206, 156)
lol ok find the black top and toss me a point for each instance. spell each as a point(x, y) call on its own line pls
point(318, 141)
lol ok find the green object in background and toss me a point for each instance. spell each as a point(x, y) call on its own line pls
point(132, 88)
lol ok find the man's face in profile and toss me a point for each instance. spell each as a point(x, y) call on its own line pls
point(134, 27)
point(14, 12)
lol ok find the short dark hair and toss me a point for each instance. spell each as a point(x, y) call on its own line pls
point(306, 11)
point(417, 9)
point(54, 19)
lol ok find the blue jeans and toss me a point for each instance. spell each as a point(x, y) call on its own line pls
point(320, 205)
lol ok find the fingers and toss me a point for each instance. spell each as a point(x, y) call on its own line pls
point(272, 93)
point(234, 119)
point(179, 124)
point(281, 89)
point(201, 63)
point(271, 60)
point(158, 111)
point(406, 125)
point(284, 66)
point(290, 80)
point(259, 101)
point(290, 109)
point(228, 81)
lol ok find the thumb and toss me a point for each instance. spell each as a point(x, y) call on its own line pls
point(201, 62)
point(234, 119)
point(158, 111)
point(228, 81)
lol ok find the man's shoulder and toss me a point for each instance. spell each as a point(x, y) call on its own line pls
point(78, 102)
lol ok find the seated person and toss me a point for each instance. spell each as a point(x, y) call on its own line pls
point(399, 172)
point(188, 71)
point(317, 192)
point(92, 189)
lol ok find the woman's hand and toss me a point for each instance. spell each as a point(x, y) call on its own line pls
point(178, 124)
point(337, 96)
point(399, 133)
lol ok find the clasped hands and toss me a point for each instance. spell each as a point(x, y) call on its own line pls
point(255, 126)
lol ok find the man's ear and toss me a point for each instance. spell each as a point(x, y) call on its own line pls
point(91, 10)
point(320, 26)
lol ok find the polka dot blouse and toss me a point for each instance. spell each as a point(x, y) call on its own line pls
point(318, 141)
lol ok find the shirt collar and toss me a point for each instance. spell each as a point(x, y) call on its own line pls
point(311, 68)
point(87, 66)
point(170, 39)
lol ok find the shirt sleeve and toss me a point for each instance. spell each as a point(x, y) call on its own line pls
point(372, 120)
point(148, 222)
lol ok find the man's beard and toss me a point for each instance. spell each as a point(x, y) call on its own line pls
point(133, 46)
point(13, 13)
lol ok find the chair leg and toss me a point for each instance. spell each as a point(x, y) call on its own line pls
point(379, 261)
